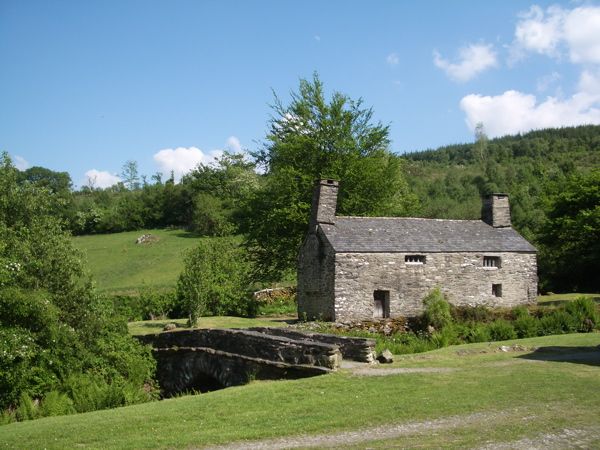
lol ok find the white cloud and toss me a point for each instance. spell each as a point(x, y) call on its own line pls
point(582, 33)
point(233, 144)
point(392, 59)
point(21, 163)
point(182, 160)
point(100, 178)
point(473, 60)
point(555, 30)
point(515, 112)
point(538, 31)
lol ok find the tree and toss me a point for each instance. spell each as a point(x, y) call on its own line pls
point(313, 138)
point(53, 325)
point(130, 175)
point(481, 142)
point(570, 238)
point(215, 280)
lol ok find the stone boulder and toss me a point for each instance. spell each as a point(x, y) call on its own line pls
point(385, 357)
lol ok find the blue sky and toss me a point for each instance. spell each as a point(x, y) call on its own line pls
point(86, 86)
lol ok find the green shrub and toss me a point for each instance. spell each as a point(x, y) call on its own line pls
point(557, 322)
point(91, 392)
point(280, 302)
point(584, 314)
point(478, 332)
point(467, 314)
point(437, 310)
point(215, 280)
point(501, 330)
point(56, 404)
point(27, 408)
point(7, 417)
point(525, 325)
point(445, 337)
point(402, 343)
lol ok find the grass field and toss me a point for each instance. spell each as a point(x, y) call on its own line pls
point(559, 299)
point(155, 326)
point(482, 394)
point(119, 265)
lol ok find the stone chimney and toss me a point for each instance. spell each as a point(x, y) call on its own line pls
point(324, 203)
point(495, 210)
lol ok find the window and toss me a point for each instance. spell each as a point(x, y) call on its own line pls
point(414, 259)
point(497, 290)
point(491, 261)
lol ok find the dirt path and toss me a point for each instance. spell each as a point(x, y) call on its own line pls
point(568, 438)
point(389, 431)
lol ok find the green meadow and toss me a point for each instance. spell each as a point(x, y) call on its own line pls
point(483, 394)
point(119, 265)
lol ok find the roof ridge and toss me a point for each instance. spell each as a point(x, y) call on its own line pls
point(414, 218)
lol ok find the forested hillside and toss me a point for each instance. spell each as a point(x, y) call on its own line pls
point(543, 172)
point(449, 181)
point(552, 177)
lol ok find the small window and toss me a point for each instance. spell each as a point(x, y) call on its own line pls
point(497, 290)
point(491, 261)
point(414, 259)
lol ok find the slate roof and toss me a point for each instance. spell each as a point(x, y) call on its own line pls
point(400, 234)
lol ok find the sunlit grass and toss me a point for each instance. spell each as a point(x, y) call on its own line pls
point(119, 265)
point(484, 379)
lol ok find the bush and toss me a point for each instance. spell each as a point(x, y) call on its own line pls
point(583, 313)
point(476, 332)
point(437, 310)
point(525, 325)
point(557, 322)
point(56, 404)
point(52, 323)
point(148, 304)
point(447, 336)
point(215, 280)
point(27, 409)
point(281, 301)
point(477, 313)
point(501, 330)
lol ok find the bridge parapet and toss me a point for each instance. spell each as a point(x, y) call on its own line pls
point(208, 359)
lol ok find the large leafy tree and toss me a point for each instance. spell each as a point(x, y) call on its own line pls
point(312, 138)
point(570, 254)
point(53, 325)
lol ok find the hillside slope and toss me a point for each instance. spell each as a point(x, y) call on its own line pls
point(449, 181)
point(119, 265)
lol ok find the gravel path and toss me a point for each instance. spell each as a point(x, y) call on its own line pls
point(369, 372)
point(564, 439)
point(389, 431)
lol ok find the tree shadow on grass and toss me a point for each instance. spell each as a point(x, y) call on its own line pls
point(188, 234)
point(578, 355)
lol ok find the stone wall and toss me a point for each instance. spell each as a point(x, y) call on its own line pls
point(461, 276)
point(209, 359)
point(354, 348)
point(250, 344)
point(316, 270)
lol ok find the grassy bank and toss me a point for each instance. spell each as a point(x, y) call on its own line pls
point(119, 265)
point(533, 392)
point(155, 326)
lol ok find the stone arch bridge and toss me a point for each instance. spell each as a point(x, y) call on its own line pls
point(209, 359)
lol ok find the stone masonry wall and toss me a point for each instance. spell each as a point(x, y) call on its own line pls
point(461, 276)
point(315, 279)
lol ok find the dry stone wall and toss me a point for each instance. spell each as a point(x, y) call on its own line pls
point(461, 276)
point(316, 271)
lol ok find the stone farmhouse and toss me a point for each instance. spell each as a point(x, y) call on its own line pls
point(361, 268)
